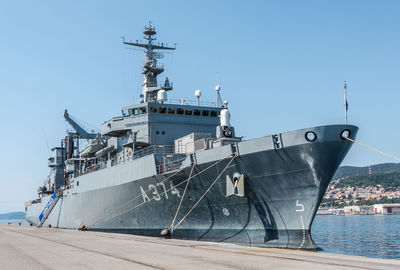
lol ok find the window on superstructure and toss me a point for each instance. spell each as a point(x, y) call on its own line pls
point(214, 114)
point(163, 110)
point(196, 112)
point(205, 113)
point(179, 111)
point(153, 109)
point(188, 112)
point(171, 110)
point(142, 110)
point(136, 111)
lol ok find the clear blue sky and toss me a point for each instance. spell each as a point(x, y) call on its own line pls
point(281, 65)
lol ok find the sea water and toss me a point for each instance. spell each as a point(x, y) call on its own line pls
point(375, 236)
point(14, 222)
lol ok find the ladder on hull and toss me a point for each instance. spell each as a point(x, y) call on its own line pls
point(48, 208)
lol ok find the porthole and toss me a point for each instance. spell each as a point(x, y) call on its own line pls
point(163, 133)
point(345, 134)
point(157, 132)
point(311, 136)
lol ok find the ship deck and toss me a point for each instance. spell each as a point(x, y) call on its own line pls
point(44, 248)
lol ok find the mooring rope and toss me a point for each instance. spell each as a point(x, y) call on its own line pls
point(140, 195)
point(135, 198)
point(183, 196)
point(204, 194)
point(373, 149)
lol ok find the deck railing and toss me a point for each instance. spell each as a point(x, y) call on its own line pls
point(154, 149)
point(166, 150)
point(169, 165)
point(192, 103)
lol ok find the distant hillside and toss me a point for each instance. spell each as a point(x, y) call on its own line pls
point(346, 171)
point(387, 180)
point(12, 215)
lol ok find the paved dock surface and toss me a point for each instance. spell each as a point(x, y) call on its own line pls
point(32, 248)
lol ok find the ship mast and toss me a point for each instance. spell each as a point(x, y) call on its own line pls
point(151, 69)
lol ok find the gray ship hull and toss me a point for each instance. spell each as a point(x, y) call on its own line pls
point(284, 184)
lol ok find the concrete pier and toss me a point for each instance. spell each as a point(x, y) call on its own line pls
point(32, 248)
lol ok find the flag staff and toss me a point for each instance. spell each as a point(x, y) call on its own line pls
point(346, 105)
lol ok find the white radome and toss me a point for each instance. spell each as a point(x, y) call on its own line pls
point(225, 118)
point(197, 93)
point(162, 96)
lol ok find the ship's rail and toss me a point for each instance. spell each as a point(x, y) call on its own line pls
point(192, 103)
point(165, 150)
point(162, 84)
point(95, 167)
point(154, 149)
point(168, 165)
point(154, 66)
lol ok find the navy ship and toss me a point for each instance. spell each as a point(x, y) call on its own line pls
point(177, 169)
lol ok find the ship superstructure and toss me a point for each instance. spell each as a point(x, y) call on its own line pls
point(179, 166)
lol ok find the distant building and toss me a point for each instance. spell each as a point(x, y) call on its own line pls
point(359, 210)
point(387, 209)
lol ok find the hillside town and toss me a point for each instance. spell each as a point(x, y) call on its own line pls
point(356, 195)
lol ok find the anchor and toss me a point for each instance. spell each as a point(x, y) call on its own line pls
point(236, 187)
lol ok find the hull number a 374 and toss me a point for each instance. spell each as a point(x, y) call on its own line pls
point(158, 191)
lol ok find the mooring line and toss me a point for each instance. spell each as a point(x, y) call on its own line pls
point(183, 196)
point(144, 202)
point(204, 194)
point(132, 200)
point(373, 149)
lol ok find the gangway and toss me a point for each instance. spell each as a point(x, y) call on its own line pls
point(48, 208)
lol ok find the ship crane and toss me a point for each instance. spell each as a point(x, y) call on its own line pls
point(80, 133)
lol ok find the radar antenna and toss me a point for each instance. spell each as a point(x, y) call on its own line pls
point(151, 69)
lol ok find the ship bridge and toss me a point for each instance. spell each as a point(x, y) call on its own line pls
point(162, 123)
